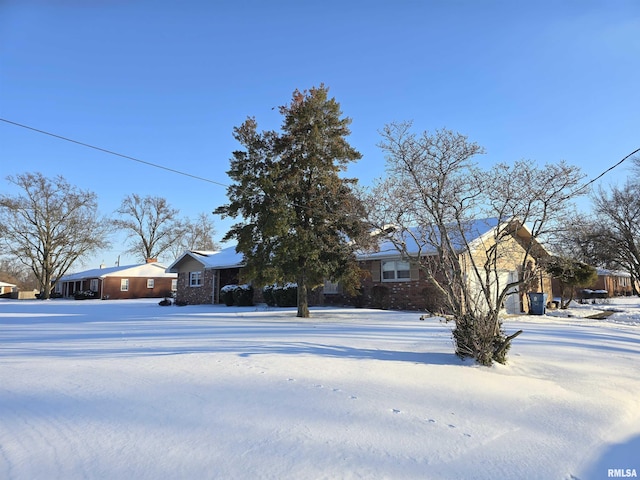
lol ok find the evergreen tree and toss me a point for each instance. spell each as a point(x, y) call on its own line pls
point(301, 220)
point(570, 274)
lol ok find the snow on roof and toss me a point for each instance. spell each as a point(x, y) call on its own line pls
point(225, 258)
point(475, 230)
point(613, 273)
point(143, 270)
point(5, 284)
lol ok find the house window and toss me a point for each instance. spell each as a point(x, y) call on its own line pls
point(150, 282)
point(330, 288)
point(124, 284)
point(174, 284)
point(94, 285)
point(396, 271)
point(195, 279)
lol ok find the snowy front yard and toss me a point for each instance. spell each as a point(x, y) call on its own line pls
point(131, 390)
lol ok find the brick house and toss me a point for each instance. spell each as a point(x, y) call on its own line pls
point(7, 288)
point(390, 281)
point(615, 282)
point(201, 274)
point(148, 280)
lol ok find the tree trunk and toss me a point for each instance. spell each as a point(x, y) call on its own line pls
point(303, 302)
point(505, 344)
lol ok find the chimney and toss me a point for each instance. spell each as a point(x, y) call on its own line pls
point(102, 265)
point(152, 260)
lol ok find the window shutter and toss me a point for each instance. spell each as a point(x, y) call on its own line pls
point(376, 274)
point(415, 272)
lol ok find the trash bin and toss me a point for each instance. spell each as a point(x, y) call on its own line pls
point(538, 303)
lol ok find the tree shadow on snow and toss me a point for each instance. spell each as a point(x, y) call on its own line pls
point(303, 348)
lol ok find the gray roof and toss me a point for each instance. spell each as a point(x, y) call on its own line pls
point(217, 260)
point(475, 230)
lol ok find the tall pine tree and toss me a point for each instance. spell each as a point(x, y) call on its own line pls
point(301, 221)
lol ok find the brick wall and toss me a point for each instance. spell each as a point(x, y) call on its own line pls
point(417, 294)
point(195, 295)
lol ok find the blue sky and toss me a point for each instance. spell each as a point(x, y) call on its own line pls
point(166, 82)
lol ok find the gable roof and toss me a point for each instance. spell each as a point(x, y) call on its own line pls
point(217, 260)
point(476, 230)
point(148, 270)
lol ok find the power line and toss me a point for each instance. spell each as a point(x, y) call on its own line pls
point(605, 172)
point(155, 165)
point(111, 152)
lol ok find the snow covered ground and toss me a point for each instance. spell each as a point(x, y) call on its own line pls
point(131, 390)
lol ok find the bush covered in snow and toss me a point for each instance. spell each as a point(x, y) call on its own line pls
point(286, 295)
point(281, 295)
point(243, 296)
point(226, 294)
point(239, 295)
point(84, 294)
point(269, 297)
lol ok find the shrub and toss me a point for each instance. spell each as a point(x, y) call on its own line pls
point(269, 297)
point(84, 294)
point(243, 295)
point(226, 294)
point(287, 295)
point(380, 297)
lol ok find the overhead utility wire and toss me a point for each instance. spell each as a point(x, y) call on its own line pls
point(579, 189)
point(605, 172)
point(111, 152)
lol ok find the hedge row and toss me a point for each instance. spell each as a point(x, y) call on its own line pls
point(281, 296)
point(239, 295)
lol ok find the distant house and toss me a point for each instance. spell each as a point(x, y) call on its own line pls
point(610, 283)
point(148, 280)
point(201, 274)
point(615, 282)
point(7, 288)
point(391, 281)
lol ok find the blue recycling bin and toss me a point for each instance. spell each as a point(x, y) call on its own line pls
point(538, 303)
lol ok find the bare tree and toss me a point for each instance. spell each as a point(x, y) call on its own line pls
point(431, 196)
point(13, 271)
point(614, 237)
point(151, 224)
point(50, 226)
point(197, 235)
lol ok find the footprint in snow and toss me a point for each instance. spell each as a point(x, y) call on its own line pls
point(395, 410)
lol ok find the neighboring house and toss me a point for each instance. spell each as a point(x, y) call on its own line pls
point(611, 283)
point(391, 281)
point(615, 282)
point(148, 280)
point(202, 274)
point(7, 288)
